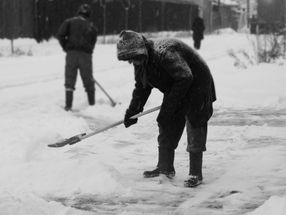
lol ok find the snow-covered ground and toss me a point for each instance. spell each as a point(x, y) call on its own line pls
point(244, 167)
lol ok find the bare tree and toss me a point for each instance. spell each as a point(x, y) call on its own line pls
point(270, 45)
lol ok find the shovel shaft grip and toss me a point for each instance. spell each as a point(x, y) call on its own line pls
point(145, 112)
point(74, 139)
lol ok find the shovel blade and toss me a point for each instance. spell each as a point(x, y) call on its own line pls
point(69, 141)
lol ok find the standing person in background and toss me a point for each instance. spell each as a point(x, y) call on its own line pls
point(198, 28)
point(77, 36)
point(187, 84)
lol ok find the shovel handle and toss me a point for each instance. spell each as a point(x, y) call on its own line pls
point(77, 138)
point(113, 103)
point(120, 122)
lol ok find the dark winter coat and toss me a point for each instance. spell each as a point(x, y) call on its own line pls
point(181, 75)
point(78, 34)
point(198, 28)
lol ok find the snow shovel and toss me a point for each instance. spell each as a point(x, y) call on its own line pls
point(79, 137)
point(113, 103)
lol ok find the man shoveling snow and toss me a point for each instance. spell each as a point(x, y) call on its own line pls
point(187, 84)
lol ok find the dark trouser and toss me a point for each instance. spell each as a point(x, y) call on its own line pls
point(169, 137)
point(197, 43)
point(77, 60)
point(197, 137)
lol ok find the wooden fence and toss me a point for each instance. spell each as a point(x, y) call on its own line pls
point(40, 19)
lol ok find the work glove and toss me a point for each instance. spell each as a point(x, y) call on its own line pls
point(127, 121)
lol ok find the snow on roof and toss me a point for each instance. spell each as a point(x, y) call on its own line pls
point(226, 2)
point(229, 2)
point(198, 2)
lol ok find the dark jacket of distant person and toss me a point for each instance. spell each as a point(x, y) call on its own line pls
point(77, 33)
point(198, 28)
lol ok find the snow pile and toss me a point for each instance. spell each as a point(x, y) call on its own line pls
point(249, 88)
point(24, 47)
point(275, 205)
point(28, 203)
point(242, 58)
point(225, 31)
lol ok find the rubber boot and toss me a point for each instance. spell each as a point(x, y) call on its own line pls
point(195, 171)
point(164, 166)
point(171, 161)
point(196, 161)
point(69, 100)
point(91, 97)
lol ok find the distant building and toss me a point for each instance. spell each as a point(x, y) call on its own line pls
point(225, 14)
point(271, 11)
point(271, 16)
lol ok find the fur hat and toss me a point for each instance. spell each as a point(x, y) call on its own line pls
point(130, 45)
point(84, 10)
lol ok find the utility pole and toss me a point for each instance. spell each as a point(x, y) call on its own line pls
point(284, 28)
point(247, 12)
point(211, 16)
point(14, 25)
point(126, 5)
point(162, 13)
point(140, 17)
point(284, 12)
point(103, 5)
point(219, 13)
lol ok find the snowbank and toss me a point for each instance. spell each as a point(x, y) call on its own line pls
point(275, 205)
